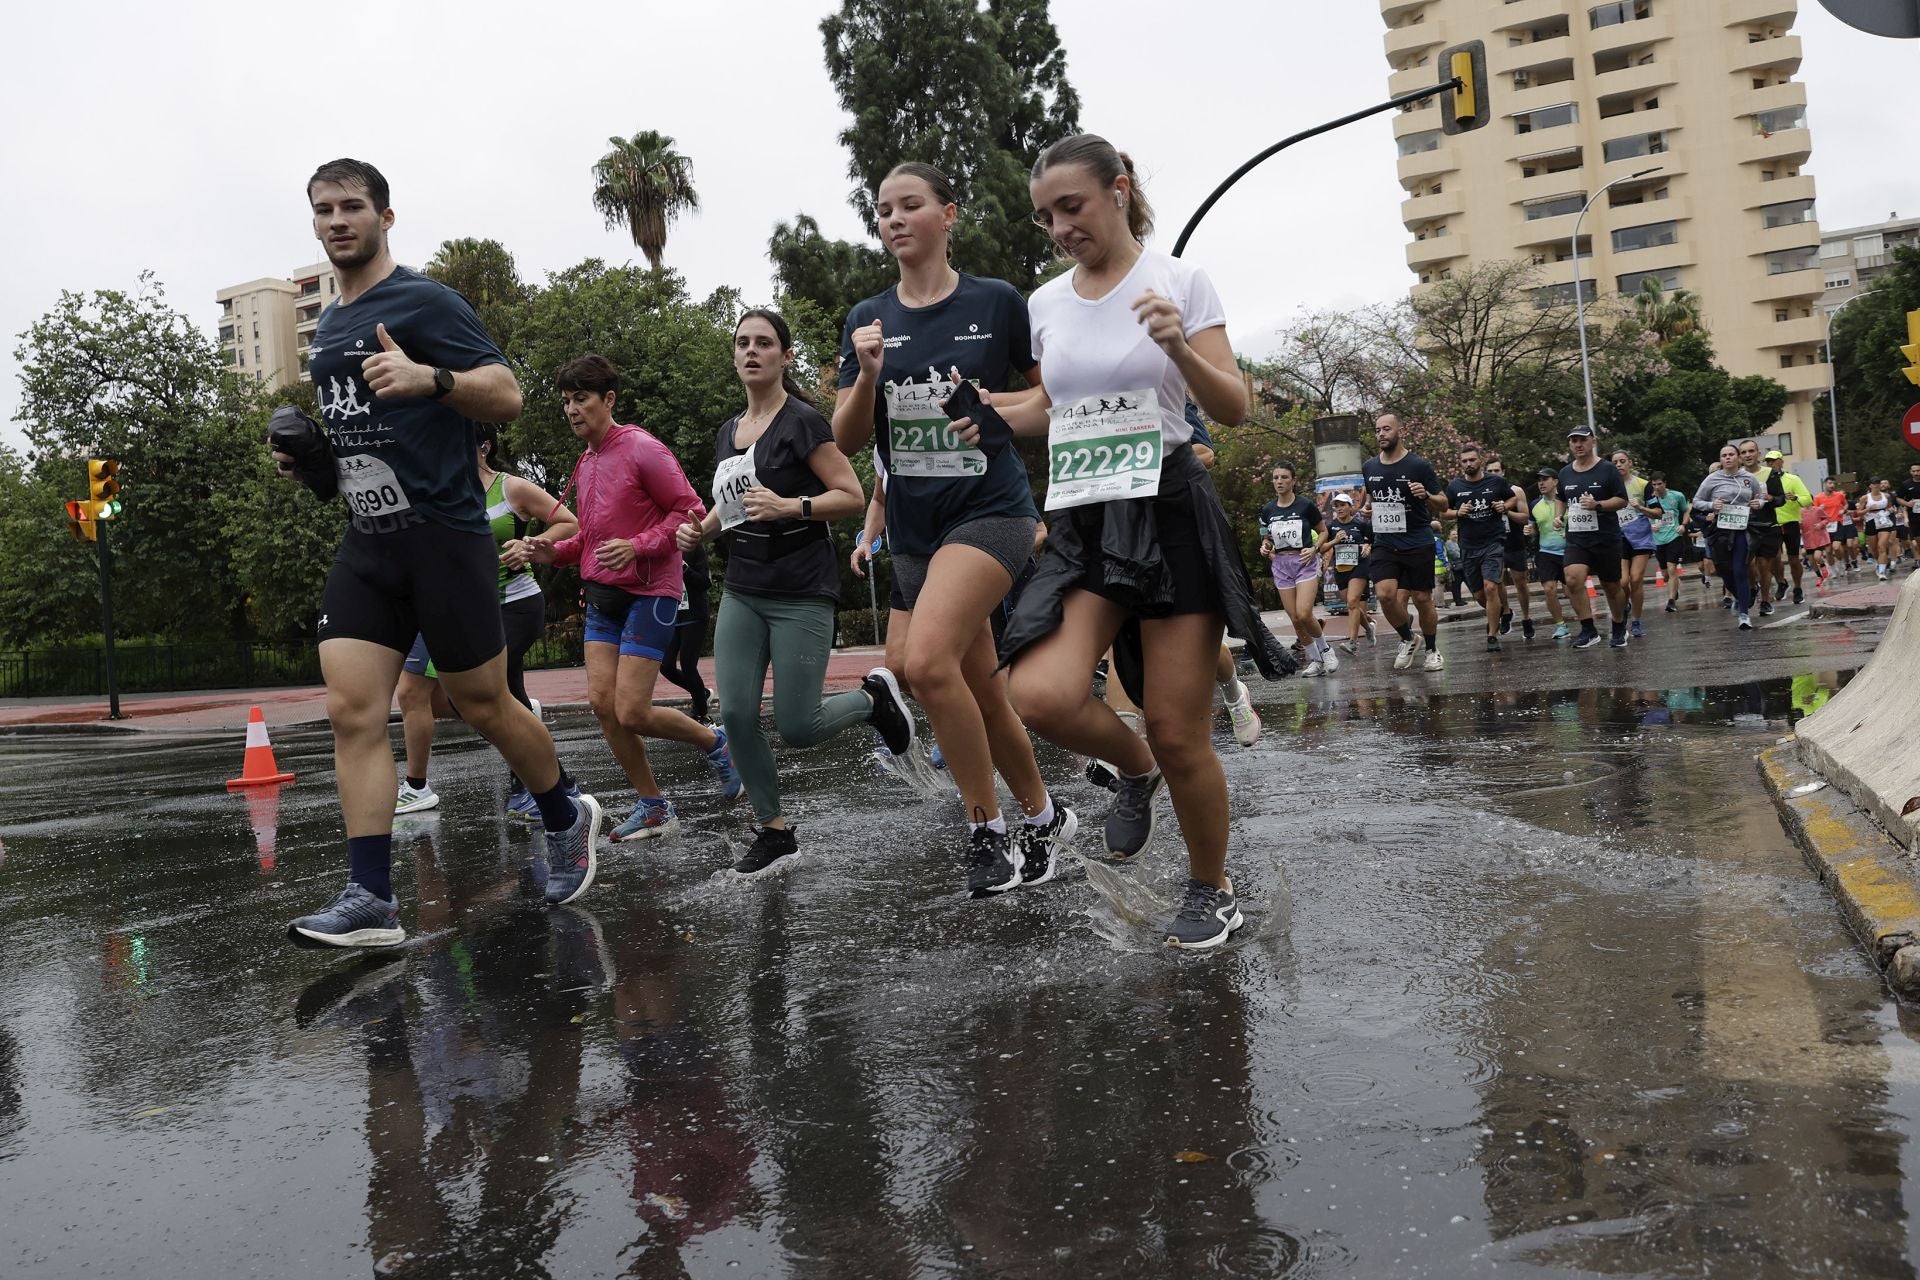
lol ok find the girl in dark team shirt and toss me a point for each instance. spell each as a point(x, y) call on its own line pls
point(960, 517)
point(1287, 525)
point(777, 480)
point(1345, 552)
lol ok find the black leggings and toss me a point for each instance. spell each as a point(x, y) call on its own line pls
point(681, 663)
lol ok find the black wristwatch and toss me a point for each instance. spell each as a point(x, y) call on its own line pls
point(442, 382)
point(806, 508)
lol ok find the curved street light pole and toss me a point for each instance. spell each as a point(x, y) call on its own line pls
point(1579, 299)
point(1833, 390)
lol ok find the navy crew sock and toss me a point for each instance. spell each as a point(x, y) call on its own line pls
point(557, 812)
point(1406, 631)
point(1433, 642)
point(418, 784)
point(370, 864)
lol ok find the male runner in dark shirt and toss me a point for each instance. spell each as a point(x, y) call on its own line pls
point(1481, 504)
point(1591, 493)
point(1403, 496)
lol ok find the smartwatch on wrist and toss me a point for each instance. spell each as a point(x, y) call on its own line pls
point(442, 382)
point(806, 508)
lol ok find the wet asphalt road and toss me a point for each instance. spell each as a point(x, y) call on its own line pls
point(1551, 994)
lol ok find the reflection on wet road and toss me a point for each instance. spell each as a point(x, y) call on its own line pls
point(1542, 987)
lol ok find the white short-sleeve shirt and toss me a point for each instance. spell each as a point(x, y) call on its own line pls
point(1096, 346)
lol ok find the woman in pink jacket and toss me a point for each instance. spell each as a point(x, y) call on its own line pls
point(631, 496)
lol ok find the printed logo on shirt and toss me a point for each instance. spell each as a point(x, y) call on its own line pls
point(893, 340)
point(341, 405)
point(972, 334)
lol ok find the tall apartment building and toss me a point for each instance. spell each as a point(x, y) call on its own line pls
point(1584, 93)
point(267, 325)
point(1852, 258)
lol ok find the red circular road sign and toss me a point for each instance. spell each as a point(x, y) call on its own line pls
point(1910, 427)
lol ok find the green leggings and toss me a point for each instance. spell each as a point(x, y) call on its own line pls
point(796, 637)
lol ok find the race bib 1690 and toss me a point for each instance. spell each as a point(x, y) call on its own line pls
point(370, 486)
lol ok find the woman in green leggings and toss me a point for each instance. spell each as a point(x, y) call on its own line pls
point(778, 479)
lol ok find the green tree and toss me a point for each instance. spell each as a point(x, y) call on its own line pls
point(1873, 391)
point(482, 272)
point(122, 375)
point(978, 91)
point(1666, 315)
point(1676, 422)
point(643, 184)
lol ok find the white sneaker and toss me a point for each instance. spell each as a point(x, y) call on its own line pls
point(539, 712)
point(1246, 721)
point(1434, 661)
point(1314, 668)
point(1329, 663)
point(1349, 647)
point(1373, 636)
point(1408, 649)
point(411, 801)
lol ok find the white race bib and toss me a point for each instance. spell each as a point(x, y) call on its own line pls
point(1582, 520)
point(1286, 535)
point(1389, 516)
point(370, 486)
point(1103, 448)
point(1833, 527)
point(1631, 514)
point(1734, 518)
point(731, 480)
point(920, 436)
point(1346, 555)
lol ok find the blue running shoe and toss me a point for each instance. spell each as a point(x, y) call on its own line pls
point(521, 805)
point(939, 761)
point(354, 919)
point(573, 855)
point(722, 761)
point(653, 816)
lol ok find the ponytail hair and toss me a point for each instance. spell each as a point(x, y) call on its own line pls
point(1101, 159)
point(778, 323)
point(488, 434)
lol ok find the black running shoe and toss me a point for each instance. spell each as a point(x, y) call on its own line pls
point(1493, 644)
point(773, 851)
point(993, 864)
point(1506, 623)
point(1586, 639)
point(1041, 847)
point(1799, 596)
point(1207, 917)
point(889, 717)
point(1766, 608)
point(1619, 640)
point(1526, 628)
point(1673, 606)
point(1131, 821)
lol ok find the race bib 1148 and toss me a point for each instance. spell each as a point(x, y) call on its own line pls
point(1103, 448)
point(731, 480)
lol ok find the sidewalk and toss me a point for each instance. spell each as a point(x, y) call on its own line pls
point(225, 710)
point(1854, 602)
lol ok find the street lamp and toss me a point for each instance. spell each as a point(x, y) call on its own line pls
point(1579, 300)
point(1833, 391)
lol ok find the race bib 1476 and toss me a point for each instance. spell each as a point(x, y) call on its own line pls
point(1103, 448)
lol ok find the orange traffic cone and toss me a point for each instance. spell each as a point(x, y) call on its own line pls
point(1593, 585)
point(259, 769)
point(263, 815)
point(1659, 577)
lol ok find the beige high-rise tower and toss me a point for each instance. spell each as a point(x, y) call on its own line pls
point(1585, 93)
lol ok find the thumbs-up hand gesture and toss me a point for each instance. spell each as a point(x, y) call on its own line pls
point(391, 374)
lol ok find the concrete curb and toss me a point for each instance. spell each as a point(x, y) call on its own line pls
point(1838, 609)
point(1872, 877)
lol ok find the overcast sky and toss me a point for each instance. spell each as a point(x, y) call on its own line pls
point(178, 137)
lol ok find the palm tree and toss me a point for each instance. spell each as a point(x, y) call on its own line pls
point(643, 184)
point(1667, 315)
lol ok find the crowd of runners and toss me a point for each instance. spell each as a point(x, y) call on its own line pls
point(1102, 630)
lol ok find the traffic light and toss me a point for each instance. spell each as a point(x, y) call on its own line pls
point(80, 521)
point(103, 486)
point(1912, 350)
point(1465, 109)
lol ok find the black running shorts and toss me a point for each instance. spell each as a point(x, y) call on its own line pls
point(1407, 570)
point(1602, 562)
point(426, 580)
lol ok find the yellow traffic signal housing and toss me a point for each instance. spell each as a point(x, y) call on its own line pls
point(1465, 108)
point(80, 522)
point(1912, 350)
point(103, 486)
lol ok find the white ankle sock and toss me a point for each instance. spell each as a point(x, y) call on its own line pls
point(1043, 817)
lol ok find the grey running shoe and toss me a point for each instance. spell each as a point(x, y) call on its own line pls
point(411, 801)
point(773, 851)
point(1041, 847)
point(573, 855)
point(1131, 821)
point(889, 717)
point(1207, 917)
point(651, 818)
point(354, 919)
point(993, 864)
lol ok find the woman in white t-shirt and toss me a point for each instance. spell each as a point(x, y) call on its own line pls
point(1140, 554)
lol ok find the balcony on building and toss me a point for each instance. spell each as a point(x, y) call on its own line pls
point(1553, 263)
point(1548, 296)
point(1629, 283)
point(1547, 174)
point(1632, 73)
point(1527, 16)
point(1776, 14)
point(1411, 40)
point(1782, 150)
point(1540, 44)
point(1780, 53)
point(1650, 24)
point(1799, 331)
point(1790, 274)
point(1788, 238)
point(1550, 221)
point(1422, 254)
point(1423, 154)
point(1394, 10)
point(1781, 190)
point(1427, 205)
point(1810, 379)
